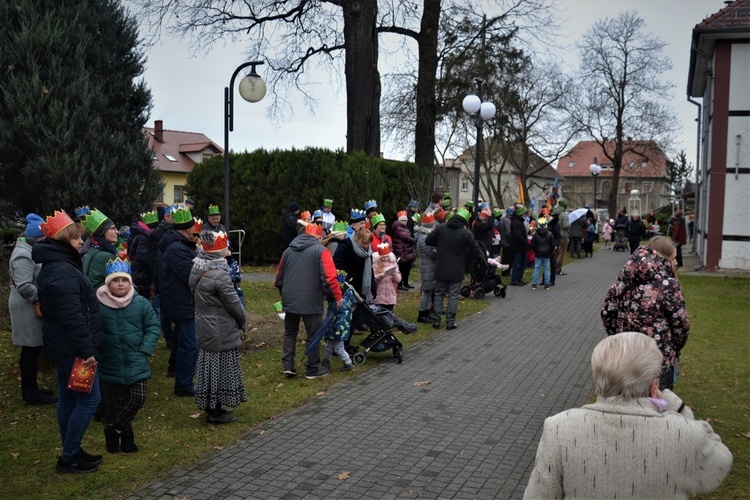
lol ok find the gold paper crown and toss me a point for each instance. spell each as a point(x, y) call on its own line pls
point(55, 223)
point(214, 242)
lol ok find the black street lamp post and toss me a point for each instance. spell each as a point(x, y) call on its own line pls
point(595, 169)
point(252, 89)
point(482, 111)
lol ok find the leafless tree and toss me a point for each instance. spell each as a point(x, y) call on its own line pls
point(622, 96)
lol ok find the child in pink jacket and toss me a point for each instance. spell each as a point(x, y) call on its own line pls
point(387, 276)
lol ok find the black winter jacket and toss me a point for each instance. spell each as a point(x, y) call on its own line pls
point(519, 241)
point(175, 297)
point(72, 322)
point(455, 244)
point(484, 231)
point(542, 243)
point(154, 255)
point(138, 255)
point(346, 259)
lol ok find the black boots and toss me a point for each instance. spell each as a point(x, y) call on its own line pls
point(218, 416)
point(425, 316)
point(38, 397)
point(119, 441)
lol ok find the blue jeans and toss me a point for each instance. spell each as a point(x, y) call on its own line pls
point(291, 329)
point(186, 356)
point(519, 264)
point(541, 262)
point(74, 409)
point(441, 287)
point(166, 325)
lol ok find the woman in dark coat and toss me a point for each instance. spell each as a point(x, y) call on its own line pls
point(354, 257)
point(72, 328)
point(403, 249)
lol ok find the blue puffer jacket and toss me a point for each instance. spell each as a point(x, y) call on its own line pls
point(131, 330)
point(72, 322)
point(175, 297)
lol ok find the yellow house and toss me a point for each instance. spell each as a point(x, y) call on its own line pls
point(175, 155)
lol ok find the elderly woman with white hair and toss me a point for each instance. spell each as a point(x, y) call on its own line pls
point(634, 442)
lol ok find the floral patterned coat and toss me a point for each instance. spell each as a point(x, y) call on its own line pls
point(647, 298)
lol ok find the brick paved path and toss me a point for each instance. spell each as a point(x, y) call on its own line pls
point(472, 432)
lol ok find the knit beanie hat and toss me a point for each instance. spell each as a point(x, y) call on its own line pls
point(32, 225)
point(293, 207)
point(117, 268)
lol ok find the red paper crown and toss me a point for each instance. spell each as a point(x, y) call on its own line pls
point(305, 215)
point(403, 214)
point(384, 249)
point(314, 229)
point(55, 223)
point(428, 217)
point(198, 226)
point(220, 243)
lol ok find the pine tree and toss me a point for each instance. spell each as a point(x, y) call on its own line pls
point(72, 109)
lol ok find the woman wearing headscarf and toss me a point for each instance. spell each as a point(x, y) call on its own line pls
point(72, 329)
point(219, 316)
point(25, 323)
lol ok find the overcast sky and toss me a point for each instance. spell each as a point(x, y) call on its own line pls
point(188, 89)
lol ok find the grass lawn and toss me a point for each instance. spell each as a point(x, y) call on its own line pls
point(171, 432)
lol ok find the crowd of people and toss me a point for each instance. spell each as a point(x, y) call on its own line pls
point(85, 293)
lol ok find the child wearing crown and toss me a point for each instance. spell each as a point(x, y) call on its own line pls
point(387, 276)
point(131, 330)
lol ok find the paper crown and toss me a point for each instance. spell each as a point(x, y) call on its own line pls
point(413, 203)
point(402, 214)
point(314, 230)
point(182, 218)
point(214, 242)
point(328, 202)
point(377, 220)
point(446, 203)
point(416, 218)
point(317, 213)
point(339, 227)
point(118, 265)
point(55, 223)
point(150, 217)
point(463, 213)
point(171, 209)
point(384, 249)
point(520, 209)
point(542, 222)
point(198, 226)
point(93, 220)
point(439, 214)
point(305, 216)
point(356, 215)
point(563, 203)
point(497, 212)
point(447, 196)
point(214, 210)
point(469, 204)
point(428, 218)
point(370, 205)
point(81, 211)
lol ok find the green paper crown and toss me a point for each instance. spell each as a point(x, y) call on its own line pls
point(328, 203)
point(214, 210)
point(182, 216)
point(377, 220)
point(463, 213)
point(447, 196)
point(447, 203)
point(340, 227)
point(150, 217)
point(93, 220)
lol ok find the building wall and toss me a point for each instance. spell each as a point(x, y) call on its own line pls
point(171, 180)
point(735, 249)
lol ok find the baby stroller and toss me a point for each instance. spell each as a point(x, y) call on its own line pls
point(621, 240)
point(380, 321)
point(484, 279)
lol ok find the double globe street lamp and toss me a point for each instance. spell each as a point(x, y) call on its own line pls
point(481, 111)
point(252, 89)
point(595, 169)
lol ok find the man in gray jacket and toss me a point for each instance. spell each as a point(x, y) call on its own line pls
point(305, 274)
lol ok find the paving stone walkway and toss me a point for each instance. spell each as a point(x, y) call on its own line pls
point(459, 418)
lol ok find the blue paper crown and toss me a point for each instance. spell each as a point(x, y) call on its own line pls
point(317, 213)
point(356, 213)
point(81, 211)
point(171, 208)
point(118, 266)
point(371, 204)
point(413, 203)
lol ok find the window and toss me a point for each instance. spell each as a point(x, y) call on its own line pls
point(628, 186)
point(644, 164)
point(570, 164)
point(632, 165)
point(170, 158)
point(465, 184)
point(160, 197)
point(179, 194)
point(648, 186)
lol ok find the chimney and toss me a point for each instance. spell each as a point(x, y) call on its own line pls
point(159, 130)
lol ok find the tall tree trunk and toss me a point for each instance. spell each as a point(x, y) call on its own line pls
point(362, 77)
point(424, 131)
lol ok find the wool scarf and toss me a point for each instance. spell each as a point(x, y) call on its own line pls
point(365, 253)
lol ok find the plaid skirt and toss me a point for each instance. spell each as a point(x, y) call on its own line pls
point(219, 379)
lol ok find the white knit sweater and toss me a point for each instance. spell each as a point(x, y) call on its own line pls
point(619, 448)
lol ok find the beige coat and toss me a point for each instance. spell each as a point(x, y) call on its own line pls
point(627, 449)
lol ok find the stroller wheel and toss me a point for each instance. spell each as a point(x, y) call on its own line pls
point(351, 350)
point(359, 358)
point(479, 294)
point(397, 354)
point(465, 291)
point(502, 292)
point(498, 291)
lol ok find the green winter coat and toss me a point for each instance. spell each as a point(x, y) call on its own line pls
point(131, 329)
point(95, 265)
